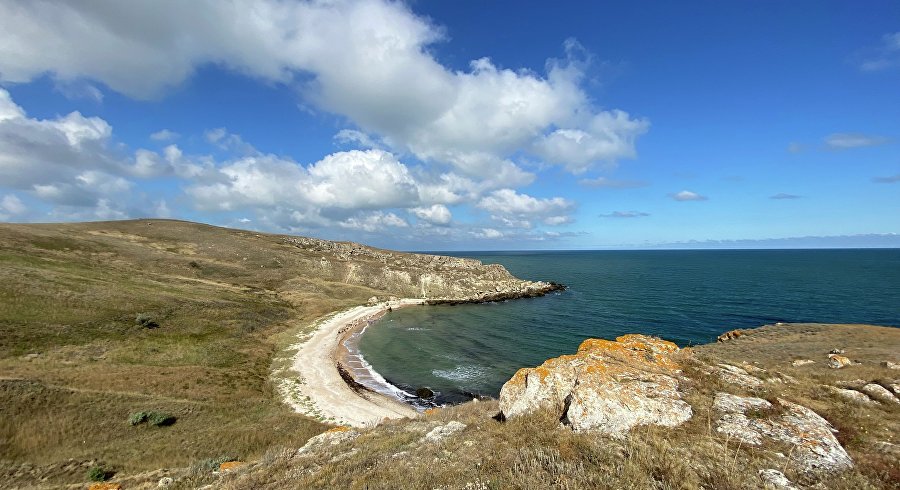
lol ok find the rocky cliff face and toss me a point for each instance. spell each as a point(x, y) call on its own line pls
point(436, 278)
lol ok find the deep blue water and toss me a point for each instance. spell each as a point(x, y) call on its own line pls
point(687, 296)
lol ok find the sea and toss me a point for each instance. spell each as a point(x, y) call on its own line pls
point(686, 296)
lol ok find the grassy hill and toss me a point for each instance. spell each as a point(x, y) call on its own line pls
point(102, 320)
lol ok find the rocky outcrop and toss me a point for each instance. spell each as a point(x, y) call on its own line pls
point(775, 480)
point(435, 278)
point(837, 361)
point(607, 387)
point(880, 393)
point(751, 420)
point(730, 335)
point(442, 432)
point(331, 437)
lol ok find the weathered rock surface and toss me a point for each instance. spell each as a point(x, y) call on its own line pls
point(837, 361)
point(774, 479)
point(442, 432)
point(890, 365)
point(331, 437)
point(851, 395)
point(879, 393)
point(730, 335)
point(737, 376)
point(607, 386)
point(815, 447)
point(802, 362)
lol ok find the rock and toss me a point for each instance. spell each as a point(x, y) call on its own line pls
point(424, 392)
point(373, 301)
point(895, 387)
point(105, 486)
point(890, 365)
point(166, 481)
point(751, 420)
point(851, 395)
point(442, 432)
point(836, 361)
point(30, 357)
point(330, 437)
point(879, 393)
point(802, 362)
point(737, 376)
point(606, 387)
point(836, 351)
point(730, 335)
point(776, 480)
point(230, 466)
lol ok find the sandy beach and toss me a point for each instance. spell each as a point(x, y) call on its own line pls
point(321, 384)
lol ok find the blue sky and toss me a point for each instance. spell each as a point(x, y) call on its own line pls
point(460, 125)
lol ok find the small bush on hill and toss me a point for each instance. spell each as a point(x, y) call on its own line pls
point(98, 473)
point(156, 419)
point(145, 321)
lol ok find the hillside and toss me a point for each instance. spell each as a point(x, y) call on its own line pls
point(149, 349)
point(102, 320)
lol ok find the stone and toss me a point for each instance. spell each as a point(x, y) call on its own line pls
point(230, 466)
point(751, 420)
point(424, 392)
point(802, 362)
point(836, 351)
point(730, 335)
point(852, 395)
point(166, 481)
point(606, 387)
point(879, 393)
point(442, 432)
point(774, 479)
point(373, 301)
point(330, 437)
point(836, 361)
point(887, 448)
point(890, 365)
point(737, 376)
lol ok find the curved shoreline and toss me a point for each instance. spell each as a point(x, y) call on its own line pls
point(326, 388)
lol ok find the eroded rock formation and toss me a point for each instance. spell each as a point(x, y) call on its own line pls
point(607, 387)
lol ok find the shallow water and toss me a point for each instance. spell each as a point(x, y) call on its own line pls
point(685, 296)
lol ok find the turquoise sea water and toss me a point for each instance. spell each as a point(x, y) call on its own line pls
point(685, 296)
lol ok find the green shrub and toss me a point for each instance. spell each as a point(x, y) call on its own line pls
point(98, 473)
point(138, 418)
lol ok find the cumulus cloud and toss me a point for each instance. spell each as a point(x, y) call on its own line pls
point(687, 196)
point(515, 209)
point(625, 214)
point(436, 214)
point(782, 195)
point(374, 221)
point(368, 61)
point(10, 207)
point(844, 141)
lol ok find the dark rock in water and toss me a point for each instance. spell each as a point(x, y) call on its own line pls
point(424, 392)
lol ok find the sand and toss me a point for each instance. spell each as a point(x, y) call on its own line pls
point(321, 384)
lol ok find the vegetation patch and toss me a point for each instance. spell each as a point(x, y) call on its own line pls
point(156, 419)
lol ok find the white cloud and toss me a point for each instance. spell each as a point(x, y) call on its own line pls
point(374, 221)
point(843, 141)
point(508, 206)
point(883, 57)
point(625, 214)
point(687, 196)
point(164, 135)
point(11, 206)
point(783, 195)
point(366, 60)
point(436, 214)
point(354, 137)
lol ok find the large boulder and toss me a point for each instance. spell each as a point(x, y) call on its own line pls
point(606, 387)
point(752, 420)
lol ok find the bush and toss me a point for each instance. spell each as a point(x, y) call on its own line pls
point(98, 473)
point(156, 419)
point(145, 320)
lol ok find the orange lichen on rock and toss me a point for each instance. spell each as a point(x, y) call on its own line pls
point(340, 428)
point(595, 388)
point(431, 411)
point(230, 465)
